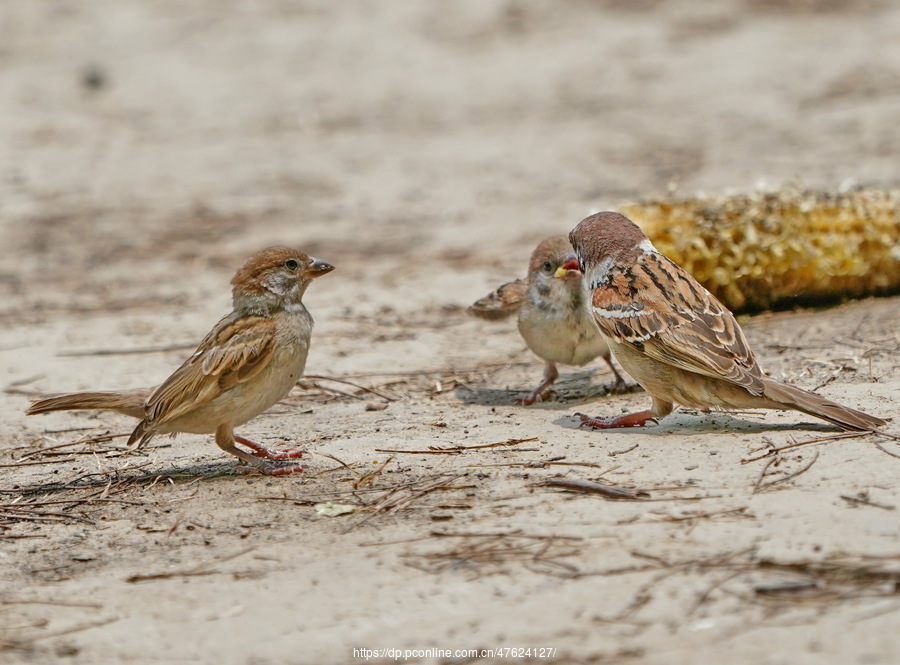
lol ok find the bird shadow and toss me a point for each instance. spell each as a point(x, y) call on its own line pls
point(577, 390)
point(205, 471)
point(689, 423)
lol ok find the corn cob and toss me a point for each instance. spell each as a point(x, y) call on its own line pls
point(775, 249)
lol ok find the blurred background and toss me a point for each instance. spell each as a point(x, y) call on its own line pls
point(150, 140)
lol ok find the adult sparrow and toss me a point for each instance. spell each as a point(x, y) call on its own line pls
point(674, 337)
point(552, 317)
point(250, 360)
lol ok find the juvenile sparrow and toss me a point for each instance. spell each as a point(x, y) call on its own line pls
point(552, 317)
point(250, 360)
point(674, 337)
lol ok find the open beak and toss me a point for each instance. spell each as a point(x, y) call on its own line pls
point(318, 268)
point(569, 268)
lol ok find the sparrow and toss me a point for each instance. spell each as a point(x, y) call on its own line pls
point(249, 361)
point(674, 337)
point(553, 320)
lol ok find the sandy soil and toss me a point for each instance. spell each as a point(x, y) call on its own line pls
point(424, 148)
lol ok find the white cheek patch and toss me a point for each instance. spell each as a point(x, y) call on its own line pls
point(294, 307)
point(647, 247)
point(277, 283)
point(600, 274)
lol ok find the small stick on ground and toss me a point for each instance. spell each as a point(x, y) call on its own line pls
point(16, 514)
point(372, 475)
point(19, 643)
point(99, 438)
point(315, 377)
point(591, 487)
point(493, 551)
point(740, 512)
point(175, 524)
point(48, 461)
point(417, 452)
point(317, 497)
point(540, 465)
point(886, 434)
point(398, 498)
point(457, 450)
point(50, 602)
point(202, 569)
point(762, 474)
point(74, 501)
point(341, 462)
point(767, 486)
point(511, 534)
point(774, 451)
point(508, 442)
point(885, 450)
point(864, 501)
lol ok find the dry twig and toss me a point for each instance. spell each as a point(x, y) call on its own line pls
point(771, 451)
point(315, 377)
point(863, 500)
point(206, 568)
point(492, 552)
point(591, 487)
point(760, 487)
point(21, 642)
point(456, 450)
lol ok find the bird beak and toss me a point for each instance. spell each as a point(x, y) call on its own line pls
point(318, 268)
point(569, 268)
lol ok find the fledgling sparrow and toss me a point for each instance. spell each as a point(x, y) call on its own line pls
point(249, 361)
point(553, 320)
point(674, 337)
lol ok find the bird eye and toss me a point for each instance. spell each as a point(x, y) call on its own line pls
point(291, 264)
point(548, 267)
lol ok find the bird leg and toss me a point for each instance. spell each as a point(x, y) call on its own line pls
point(225, 439)
point(542, 393)
point(638, 419)
point(619, 386)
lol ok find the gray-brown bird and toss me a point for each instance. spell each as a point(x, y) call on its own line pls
point(249, 361)
point(553, 320)
point(674, 337)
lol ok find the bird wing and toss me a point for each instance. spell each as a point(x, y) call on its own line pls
point(502, 302)
point(656, 307)
point(234, 351)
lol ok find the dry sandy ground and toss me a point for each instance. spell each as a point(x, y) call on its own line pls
point(424, 148)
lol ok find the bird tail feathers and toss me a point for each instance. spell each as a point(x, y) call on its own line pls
point(129, 403)
point(816, 405)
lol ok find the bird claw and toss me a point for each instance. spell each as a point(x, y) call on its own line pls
point(283, 470)
point(267, 453)
point(593, 423)
point(627, 420)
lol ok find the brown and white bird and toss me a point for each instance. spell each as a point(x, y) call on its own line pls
point(674, 337)
point(552, 317)
point(249, 361)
